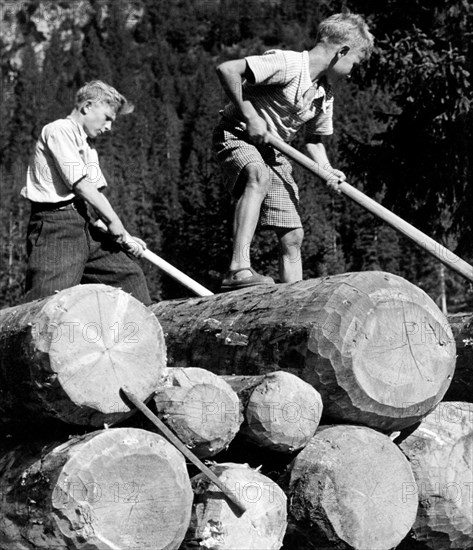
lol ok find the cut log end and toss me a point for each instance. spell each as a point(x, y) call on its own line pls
point(400, 347)
point(121, 488)
point(441, 455)
point(402, 354)
point(215, 524)
point(83, 344)
point(205, 416)
point(282, 412)
point(346, 489)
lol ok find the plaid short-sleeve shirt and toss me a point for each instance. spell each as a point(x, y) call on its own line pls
point(284, 95)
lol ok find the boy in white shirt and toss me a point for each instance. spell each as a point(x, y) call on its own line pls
point(64, 185)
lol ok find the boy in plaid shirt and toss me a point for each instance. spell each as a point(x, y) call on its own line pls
point(279, 92)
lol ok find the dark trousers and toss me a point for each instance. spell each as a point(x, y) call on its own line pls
point(65, 250)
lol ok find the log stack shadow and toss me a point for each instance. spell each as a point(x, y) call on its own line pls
point(309, 398)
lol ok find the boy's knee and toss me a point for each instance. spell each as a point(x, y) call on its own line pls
point(292, 240)
point(257, 177)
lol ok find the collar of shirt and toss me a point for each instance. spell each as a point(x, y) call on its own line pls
point(80, 129)
point(319, 89)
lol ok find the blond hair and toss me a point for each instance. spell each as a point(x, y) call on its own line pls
point(347, 28)
point(98, 91)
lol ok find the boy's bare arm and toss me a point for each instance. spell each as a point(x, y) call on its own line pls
point(316, 150)
point(231, 75)
point(99, 202)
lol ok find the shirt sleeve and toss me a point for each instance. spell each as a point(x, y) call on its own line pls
point(64, 149)
point(273, 67)
point(322, 123)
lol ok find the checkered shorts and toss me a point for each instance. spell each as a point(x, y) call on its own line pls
point(234, 151)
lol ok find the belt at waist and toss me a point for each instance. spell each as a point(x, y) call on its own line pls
point(73, 204)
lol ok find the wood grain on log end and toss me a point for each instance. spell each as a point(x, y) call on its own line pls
point(112, 489)
point(346, 490)
point(69, 354)
point(391, 350)
point(441, 454)
point(282, 412)
point(215, 525)
point(201, 409)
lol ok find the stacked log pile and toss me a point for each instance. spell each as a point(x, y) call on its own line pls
point(314, 372)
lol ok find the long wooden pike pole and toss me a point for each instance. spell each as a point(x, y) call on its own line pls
point(169, 435)
point(442, 254)
point(173, 272)
point(165, 266)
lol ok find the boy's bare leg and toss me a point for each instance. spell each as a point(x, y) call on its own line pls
point(290, 261)
point(246, 216)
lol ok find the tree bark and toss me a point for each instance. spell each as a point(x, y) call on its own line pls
point(461, 388)
point(113, 489)
point(67, 356)
point(346, 490)
point(201, 409)
point(376, 347)
point(441, 455)
point(282, 412)
point(216, 525)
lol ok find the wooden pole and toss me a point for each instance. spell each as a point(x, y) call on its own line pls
point(434, 248)
point(231, 496)
point(173, 272)
point(161, 264)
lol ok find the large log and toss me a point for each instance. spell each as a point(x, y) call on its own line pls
point(441, 455)
point(282, 412)
point(67, 356)
point(461, 388)
point(201, 409)
point(376, 347)
point(114, 489)
point(216, 525)
point(346, 490)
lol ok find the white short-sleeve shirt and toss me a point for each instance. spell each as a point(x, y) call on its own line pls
point(284, 95)
point(61, 158)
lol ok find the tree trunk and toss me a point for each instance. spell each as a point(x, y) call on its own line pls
point(461, 388)
point(346, 490)
point(201, 409)
point(441, 454)
point(67, 356)
point(376, 347)
point(113, 489)
point(281, 411)
point(215, 524)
